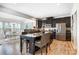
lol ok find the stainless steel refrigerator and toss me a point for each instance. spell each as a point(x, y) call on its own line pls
point(61, 31)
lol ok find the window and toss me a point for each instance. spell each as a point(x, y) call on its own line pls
point(6, 25)
point(30, 25)
point(1, 25)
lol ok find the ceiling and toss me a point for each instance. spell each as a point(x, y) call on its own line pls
point(40, 10)
point(5, 17)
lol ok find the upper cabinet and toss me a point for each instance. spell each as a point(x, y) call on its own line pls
point(53, 21)
point(39, 23)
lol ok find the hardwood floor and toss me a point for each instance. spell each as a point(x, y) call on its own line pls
point(12, 47)
point(61, 48)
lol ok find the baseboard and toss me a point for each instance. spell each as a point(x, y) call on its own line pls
point(77, 51)
point(75, 48)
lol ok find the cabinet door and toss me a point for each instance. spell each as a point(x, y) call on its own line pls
point(39, 23)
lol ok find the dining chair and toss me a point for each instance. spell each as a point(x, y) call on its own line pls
point(45, 40)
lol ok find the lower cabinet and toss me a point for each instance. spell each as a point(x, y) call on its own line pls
point(68, 36)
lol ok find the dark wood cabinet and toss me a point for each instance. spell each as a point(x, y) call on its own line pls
point(39, 23)
point(68, 35)
point(52, 21)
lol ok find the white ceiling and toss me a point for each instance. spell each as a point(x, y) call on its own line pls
point(5, 17)
point(39, 10)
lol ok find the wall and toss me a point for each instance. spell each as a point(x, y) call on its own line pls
point(76, 41)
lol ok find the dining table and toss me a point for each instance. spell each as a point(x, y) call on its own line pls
point(31, 38)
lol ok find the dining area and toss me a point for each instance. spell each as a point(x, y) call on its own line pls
point(35, 42)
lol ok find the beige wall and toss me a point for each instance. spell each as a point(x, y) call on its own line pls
point(76, 41)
